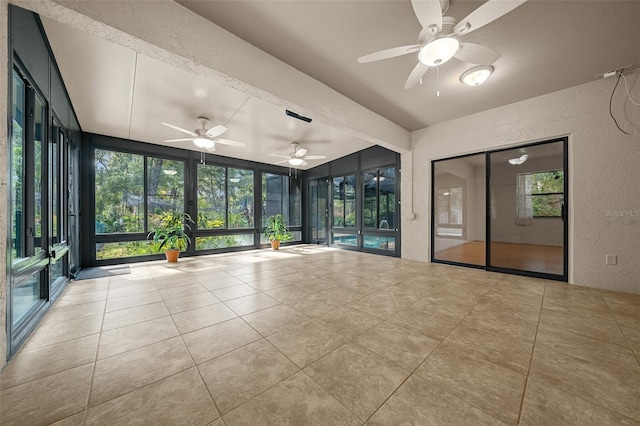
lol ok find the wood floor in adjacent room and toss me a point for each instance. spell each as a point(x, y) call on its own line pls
point(315, 336)
point(523, 257)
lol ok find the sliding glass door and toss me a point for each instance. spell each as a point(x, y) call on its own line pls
point(528, 227)
point(459, 210)
point(318, 210)
point(503, 210)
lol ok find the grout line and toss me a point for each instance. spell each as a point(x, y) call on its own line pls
point(636, 354)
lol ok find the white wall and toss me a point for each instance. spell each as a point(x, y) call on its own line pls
point(604, 173)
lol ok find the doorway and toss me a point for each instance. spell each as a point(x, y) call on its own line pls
point(503, 210)
point(318, 210)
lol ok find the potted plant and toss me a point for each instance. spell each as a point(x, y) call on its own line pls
point(172, 235)
point(277, 231)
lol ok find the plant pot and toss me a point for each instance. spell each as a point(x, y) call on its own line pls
point(172, 255)
point(275, 244)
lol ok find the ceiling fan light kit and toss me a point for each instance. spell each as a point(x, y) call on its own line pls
point(438, 40)
point(205, 143)
point(476, 75)
point(438, 51)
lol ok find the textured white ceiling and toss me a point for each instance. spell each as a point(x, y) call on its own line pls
point(120, 93)
point(545, 45)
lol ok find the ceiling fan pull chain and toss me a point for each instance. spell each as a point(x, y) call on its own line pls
point(438, 80)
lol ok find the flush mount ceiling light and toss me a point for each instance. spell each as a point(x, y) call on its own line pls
point(203, 142)
point(477, 75)
point(518, 160)
point(439, 51)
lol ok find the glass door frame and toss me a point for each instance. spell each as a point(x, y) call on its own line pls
point(318, 182)
point(565, 213)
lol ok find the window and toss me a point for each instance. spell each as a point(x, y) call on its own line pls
point(450, 212)
point(119, 194)
point(541, 193)
point(17, 169)
point(281, 195)
point(344, 202)
point(165, 189)
point(225, 198)
point(379, 198)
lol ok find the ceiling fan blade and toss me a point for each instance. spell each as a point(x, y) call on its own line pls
point(488, 12)
point(315, 157)
point(477, 54)
point(216, 131)
point(179, 140)
point(282, 161)
point(304, 163)
point(429, 13)
point(281, 156)
point(228, 142)
point(416, 75)
point(180, 129)
point(301, 152)
point(389, 53)
point(211, 149)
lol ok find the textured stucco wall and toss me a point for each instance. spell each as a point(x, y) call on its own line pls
point(4, 78)
point(604, 173)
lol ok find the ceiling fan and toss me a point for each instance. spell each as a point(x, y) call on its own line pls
point(204, 138)
point(438, 41)
point(297, 156)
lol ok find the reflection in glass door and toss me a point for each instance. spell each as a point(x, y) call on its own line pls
point(459, 210)
point(528, 227)
point(319, 211)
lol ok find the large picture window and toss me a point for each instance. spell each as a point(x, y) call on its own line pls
point(225, 198)
point(119, 194)
point(281, 195)
point(344, 201)
point(379, 199)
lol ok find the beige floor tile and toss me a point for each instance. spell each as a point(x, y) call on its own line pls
point(131, 370)
point(234, 292)
point(493, 346)
point(306, 342)
point(129, 316)
point(297, 400)
point(46, 400)
point(357, 377)
point(418, 403)
point(238, 376)
point(403, 346)
point(602, 327)
point(76, 299)
point(216, 283)
point(436, 324)
point(185, 290)
point(348, 321)
point(195, 319)
point(347, 294)
point(546, 404)
point(490, 387)
point(133, 300)
point(292, 293)
point(130, 290)
point(47, 360)
point(218, 339)
point(74, 420)
point(178, 281)
point(251, 303)
point(51, 332)
point(380, 305)
point(272, 283)
point(87, 286)
point(585, 347)
point(315, 304)
point(613, 386)
point(134, 336)
point(271, 320)
point(75, 311)
point(509, 324)
point(181, 399)
point(191, 301)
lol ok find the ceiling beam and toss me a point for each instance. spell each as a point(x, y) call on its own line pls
point(167, 31)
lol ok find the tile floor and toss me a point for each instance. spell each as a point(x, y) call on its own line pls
point(315, 336)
